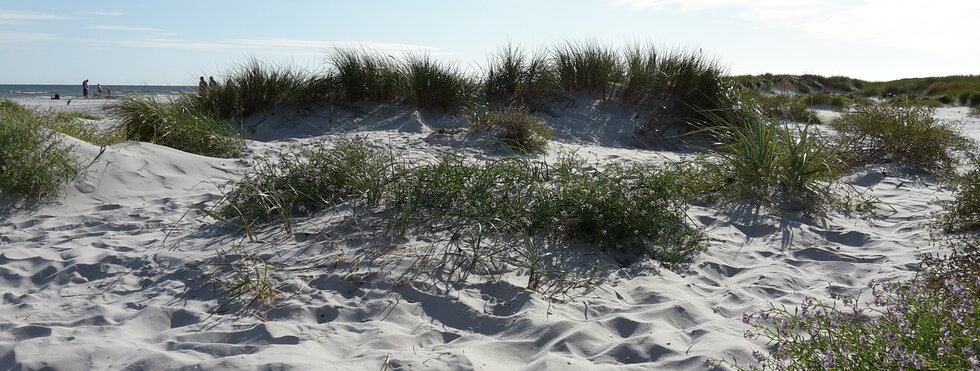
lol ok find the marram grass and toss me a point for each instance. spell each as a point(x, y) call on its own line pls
point(34, 162)
point(180, 125)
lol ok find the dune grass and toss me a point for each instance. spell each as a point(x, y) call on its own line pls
point(368, 75)
point(178, 124)
point(963, 213)
point(633, 209)
point(516, 79)
point(781, 106)
point(761, 162)
point(515, 128)
point(899, 132)
point(803, 84)
point(255, 86)
point(949, 86)
point(436, 85)
point(587, 66)
point(34, 162)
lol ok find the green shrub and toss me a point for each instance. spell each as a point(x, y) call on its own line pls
point(974, 99)
point(902, 132)
point(432, 84)
point(254, 87)
point(179, 125)
point(587, 67)
point(34, 162)
point(963, 213)
point(516, 128)
point(362, 75)
point(781, 106)
point(515, 79)
point(635, 209)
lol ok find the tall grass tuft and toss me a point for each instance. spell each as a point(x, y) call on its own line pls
point(900, 132)
point(514, 78)
point(366, 75)
point(255, 86)
point(767, 164)
point(516, 128)
point(178, 124)
point(588, 67)
point(963, 213)
point(437, 85)
point(34, 162)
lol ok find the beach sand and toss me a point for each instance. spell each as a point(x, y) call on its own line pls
point(109, 275)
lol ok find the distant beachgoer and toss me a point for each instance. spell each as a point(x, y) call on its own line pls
point(98, 90)
point(212, 84)
point(203, 85)
point(85, 88)
point(108, 92)
point(56, 96)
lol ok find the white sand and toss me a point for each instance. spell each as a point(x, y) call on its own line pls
point(89, 284)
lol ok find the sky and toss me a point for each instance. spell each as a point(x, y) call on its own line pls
point(172, 42)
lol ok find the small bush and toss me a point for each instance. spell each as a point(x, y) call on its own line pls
point(963, 213)
point(516, 128)
point(900, 132)
point(516, 79)
point(974, 99)
point(363, 75)
point(910, 326)
point(178, 124)
point(587, 67)
point(254, 87)
point(34, 162)
point(432, 84)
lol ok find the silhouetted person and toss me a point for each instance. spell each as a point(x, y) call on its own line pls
point(212, 84)
point(203, 85)
point(85, 88)
point(56, 96)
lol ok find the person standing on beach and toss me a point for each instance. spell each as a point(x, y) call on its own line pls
point(212, 84)
point(203, 85)
point(98, 90)
point(85, 88)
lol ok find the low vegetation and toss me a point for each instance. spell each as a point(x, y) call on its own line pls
point(178, 124)
point(899, 132)
point(436, 85)
point(963, 213)
point(781, 106)
point(516, 79)
point(931, 322)
point(515, 128)
point(34, 162)
point(613, 208)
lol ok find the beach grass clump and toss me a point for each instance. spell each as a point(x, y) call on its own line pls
point(781, 106)
point(432, 84)
point(255, 86)
point(914, 326)
point(676, 86)
point(303, 182)
point(516, 79)
point(899, 132)
point(515, 128)
point(34, 162)
point(588, 66)
point(759, 161)
point(178, 124)
point(368, 75)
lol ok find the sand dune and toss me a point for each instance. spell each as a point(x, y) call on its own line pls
point(89, 283)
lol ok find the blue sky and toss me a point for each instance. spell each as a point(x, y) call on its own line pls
point(174, 41)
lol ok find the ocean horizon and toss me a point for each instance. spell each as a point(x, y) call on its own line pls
point(72, 91)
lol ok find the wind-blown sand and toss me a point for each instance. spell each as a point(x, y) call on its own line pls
point(88, 282)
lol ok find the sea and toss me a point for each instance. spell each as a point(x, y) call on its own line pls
point(72, 91)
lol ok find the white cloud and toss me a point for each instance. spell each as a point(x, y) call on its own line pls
point(8, 17)
point(122, 28)
point(945, 27)
point(25, 37)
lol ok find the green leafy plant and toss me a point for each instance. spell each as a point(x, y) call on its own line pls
point(178, 124)
point(34, 162)
point(516, 128)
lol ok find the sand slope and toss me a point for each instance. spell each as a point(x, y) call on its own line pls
point(88, 282)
